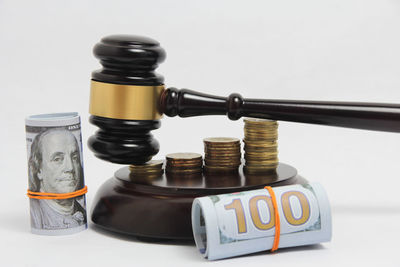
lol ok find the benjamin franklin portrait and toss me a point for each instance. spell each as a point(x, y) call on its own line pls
point(55, 167)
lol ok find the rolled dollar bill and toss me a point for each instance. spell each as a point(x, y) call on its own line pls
point(55, 171)
point(243, 223)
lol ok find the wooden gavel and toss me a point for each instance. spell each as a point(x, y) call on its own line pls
point(128, 99)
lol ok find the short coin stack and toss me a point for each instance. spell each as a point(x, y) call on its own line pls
point(222, 154)
point(150, 168)
point(184, 163)
point(260, 145)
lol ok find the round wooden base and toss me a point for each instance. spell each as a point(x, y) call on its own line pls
point(159, 207)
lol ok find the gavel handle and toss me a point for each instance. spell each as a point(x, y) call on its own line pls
point(368, 116)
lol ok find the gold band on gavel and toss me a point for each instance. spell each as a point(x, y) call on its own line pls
point(126, 102)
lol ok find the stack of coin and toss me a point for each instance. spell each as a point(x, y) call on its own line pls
point(260, 145)
point(184, 163)
point(150, 168)
point(222, 154)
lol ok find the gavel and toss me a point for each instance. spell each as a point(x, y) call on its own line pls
point(128, 99)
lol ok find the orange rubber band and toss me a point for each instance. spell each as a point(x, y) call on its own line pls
point(43, 195)
point(277, 220)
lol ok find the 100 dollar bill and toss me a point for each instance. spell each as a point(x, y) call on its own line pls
point(55, 165)
point(242, 223)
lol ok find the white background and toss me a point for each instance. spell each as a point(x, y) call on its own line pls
point(317, 50)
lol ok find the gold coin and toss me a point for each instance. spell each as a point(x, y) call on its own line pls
point(221, 140)
point(169, 168)
point(259, 142)
point(180, 169)
point(260, 129)
point(183, 156)
point(261, 161)
point(260, 147)
point(261, 157)
point(218, 161)
point(227, 165)
point(259, 121)
point(259, 153)
point(217, 153)
point(255, 153)
point(169, 159)
point(222, 148)
point(211, 159)
point(264, 167)
point(150, 165)
point(223, 164)
point(222, 145)
point(250, 136)
point(222, 155)
point(232, 150)
point(260, 139)
point(259, 132)
point(261, 135)
point(182, 162)
point(260, 126)
point(183, 167)
point(261, 150)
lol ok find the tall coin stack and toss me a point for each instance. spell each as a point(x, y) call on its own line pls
point(184, 163)
point(260, 145)
point(148, 169)
point(222, 154)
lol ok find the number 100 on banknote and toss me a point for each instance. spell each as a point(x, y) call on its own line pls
point(241, 223)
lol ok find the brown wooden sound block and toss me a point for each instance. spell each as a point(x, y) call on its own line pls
point(154, 208)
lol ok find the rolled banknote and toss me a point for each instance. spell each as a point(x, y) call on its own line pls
point(243, 223)
point(55, 168)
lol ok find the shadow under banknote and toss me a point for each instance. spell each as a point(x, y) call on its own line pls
point(283, 251)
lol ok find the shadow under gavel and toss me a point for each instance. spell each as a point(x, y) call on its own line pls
point(128, 98)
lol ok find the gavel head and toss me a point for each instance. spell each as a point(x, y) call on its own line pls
point(124, 99)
